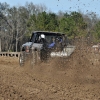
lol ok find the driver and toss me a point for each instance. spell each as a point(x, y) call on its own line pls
point(42, 38)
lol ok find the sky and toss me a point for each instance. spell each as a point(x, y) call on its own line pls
point(55, 6)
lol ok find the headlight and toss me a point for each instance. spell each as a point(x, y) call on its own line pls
point(27, 48)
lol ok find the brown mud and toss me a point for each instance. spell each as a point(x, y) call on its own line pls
point(74, 78)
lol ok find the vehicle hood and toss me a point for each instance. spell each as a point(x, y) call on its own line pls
point(34, 45)
point(27, 44)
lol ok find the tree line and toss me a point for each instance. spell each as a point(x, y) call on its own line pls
point(18, 22)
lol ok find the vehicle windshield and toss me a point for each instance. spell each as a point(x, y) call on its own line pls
point(49, 37)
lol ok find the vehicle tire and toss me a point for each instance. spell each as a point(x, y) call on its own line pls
point(43, 55)
point(21, 59)
point(34, 59)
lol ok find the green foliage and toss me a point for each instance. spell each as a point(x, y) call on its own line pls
point(43, 22)
point(96, 32)
point(71, 24)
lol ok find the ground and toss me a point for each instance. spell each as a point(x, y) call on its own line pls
point(74, 78)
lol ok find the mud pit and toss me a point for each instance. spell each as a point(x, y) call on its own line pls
point(75, 78)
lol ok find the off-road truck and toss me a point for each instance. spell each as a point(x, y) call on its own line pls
point(42, 46)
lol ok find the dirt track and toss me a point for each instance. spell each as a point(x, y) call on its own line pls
point(75, 78)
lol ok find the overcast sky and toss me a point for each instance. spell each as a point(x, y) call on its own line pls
point(63, 5)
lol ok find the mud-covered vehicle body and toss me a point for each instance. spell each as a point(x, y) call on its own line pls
point(42, 46)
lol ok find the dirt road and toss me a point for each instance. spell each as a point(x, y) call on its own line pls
point(75, 78)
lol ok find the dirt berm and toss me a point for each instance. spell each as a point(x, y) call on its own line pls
point(74, 78)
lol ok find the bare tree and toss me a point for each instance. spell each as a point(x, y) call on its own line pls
point(13, 23)
point(19, 17)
